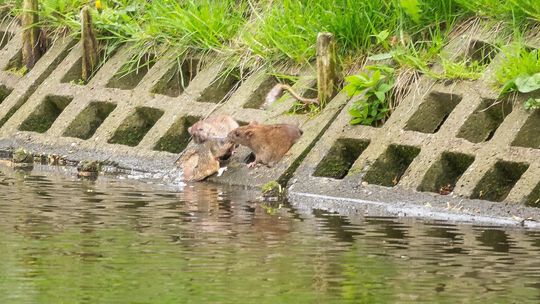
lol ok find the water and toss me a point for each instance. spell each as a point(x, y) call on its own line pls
point(64, 240)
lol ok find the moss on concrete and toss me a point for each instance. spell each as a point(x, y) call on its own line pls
point(89, 120)
point(528, 134)
point(45, 114)
point(499, 180)
point(534, 198)
point(433, 112)
point(4, 92)
point(443, 174)
point(221, 88)
point(177, 78)
point(139, 68)
point(135, 127)
point(340, 158)
point(177, 137)
point(21, 156)
point(391, 165)
point(485, 120)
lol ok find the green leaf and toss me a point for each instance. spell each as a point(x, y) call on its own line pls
point(380, 95)
point(355, 112)
point(527, 84)
point(382, 36)
point(412, 8)
point(508, 87)
point(532, 104)
point(385, 87)
point(356, 121)
point(382, 56)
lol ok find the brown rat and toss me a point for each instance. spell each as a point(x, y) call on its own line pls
point(214, 129)
point(268, 142)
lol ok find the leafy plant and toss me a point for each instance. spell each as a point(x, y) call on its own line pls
point(375, 84)
point(520, 72)
point(464, 69)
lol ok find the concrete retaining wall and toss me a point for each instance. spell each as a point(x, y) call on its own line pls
point(442, 138)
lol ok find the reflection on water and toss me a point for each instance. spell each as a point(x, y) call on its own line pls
point(65, 240)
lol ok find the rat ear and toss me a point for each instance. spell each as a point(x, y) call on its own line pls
point(249, 133)
point(253, 123)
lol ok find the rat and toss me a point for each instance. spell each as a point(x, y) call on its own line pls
point(268, 142)
point(214, 129)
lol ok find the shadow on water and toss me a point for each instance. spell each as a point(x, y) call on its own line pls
point(111, 240)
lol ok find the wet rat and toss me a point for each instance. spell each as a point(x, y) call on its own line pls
point(214, 129)
point(268, 142)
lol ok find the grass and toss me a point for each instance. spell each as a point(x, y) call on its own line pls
point(518, 61)
point(270, 33)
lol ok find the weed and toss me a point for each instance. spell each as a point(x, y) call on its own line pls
point(520, 72)
point(375, 84)
point(462, 70)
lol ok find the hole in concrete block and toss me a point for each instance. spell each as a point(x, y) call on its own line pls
point(481, 51)
point(45, 114)
point(388, 169)
point(5, 37)
point(134, 128)
point(89, 120)
point(533, 200)
point(177, 78)
point(528, 134)
point(340, 158)
point(433, 112)
point(499, 180)
point(442, 176)
point(15, 65)
point(484, 121)
point(4, 92)
point(177, 137)
point(221, 89)
point(258, 97)
point(9, 114)
point(131, 73)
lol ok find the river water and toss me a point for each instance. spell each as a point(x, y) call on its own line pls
point(66, 240)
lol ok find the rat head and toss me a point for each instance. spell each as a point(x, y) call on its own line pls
point(240, 135)
point(199, 132)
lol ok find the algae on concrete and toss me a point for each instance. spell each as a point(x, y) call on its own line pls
point(340, 158)
point(89, 120)
point(534, 198)
point(499, 180)
point(433, 112)
point(21, 156)
point(221, 88)
point(46, 113)
point(130, 79)
point(391, 165)
point(444, 173)
point(529, 134)
point(177, 137)
point(177, 78)
point(4, 92)
point(485, 120)
point(134, 128)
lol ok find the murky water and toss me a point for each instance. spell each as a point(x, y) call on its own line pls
point(63, 240)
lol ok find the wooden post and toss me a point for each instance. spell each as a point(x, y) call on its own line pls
point(90, 47)
point(328, 69)
point(32, 44)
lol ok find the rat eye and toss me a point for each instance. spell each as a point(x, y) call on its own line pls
point(200, 129)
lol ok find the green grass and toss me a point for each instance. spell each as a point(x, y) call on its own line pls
point(274, 32)
point(518, 61)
